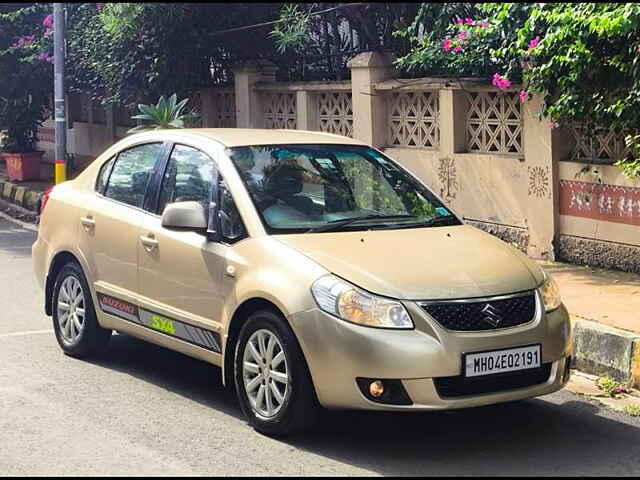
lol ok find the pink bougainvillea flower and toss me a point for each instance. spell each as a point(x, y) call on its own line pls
point(468, 21)
point(446, 44)
point(483, 24)
point(457, 48)
point(501, 82)
point(462, 35)
point(42, 56)
point(24, 41)
point(552, 125)
point(534, 43)
point(99, 6)
point(48, 32)
point(48, 21)
point(459, 21)
point(524, 96)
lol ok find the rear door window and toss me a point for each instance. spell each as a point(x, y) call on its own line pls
point(131, 174)
point(187, 177)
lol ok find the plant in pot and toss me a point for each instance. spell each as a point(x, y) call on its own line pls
point(167, 113)
point(26, 84)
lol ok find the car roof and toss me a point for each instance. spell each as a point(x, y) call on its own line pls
point(239, 137)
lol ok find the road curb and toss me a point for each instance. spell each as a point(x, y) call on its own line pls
point(20, 196)
point(603, 350)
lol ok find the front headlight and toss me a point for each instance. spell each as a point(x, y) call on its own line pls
point(550, 294)
point(339, 298)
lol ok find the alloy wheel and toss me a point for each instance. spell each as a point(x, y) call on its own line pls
point(71, 309)
point(265, 373)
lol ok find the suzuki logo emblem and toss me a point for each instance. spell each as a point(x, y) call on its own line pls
point(492, 315)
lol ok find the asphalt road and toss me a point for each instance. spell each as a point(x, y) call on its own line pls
point(143, 410)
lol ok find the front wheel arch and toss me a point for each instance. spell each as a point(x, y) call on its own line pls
point(241, 313)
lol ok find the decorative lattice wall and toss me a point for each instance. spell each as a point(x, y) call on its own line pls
point(413, 119)
point(494, 123)
point(336, 113)
point(604, 146)
point(224, 109)
point(280, 110)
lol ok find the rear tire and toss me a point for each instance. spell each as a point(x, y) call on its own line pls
point(288, 403)
point(74, 317)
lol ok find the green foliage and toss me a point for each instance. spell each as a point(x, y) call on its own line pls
point(313, 41)
point(167, 113)
point(610, 386)
point(127, 53)
point(633, 410)
point(630, 165)
point(26, 75)
point(293, 28)
point(586, 64)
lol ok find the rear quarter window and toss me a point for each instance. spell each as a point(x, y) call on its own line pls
point(103, 175)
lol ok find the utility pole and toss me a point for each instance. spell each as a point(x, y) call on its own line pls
point(59, 35)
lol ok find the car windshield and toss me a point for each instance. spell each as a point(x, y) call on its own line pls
point(316, 188)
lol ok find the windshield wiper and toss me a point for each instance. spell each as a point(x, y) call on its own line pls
point(443, 220)
point(436, 221)
point(337, 224)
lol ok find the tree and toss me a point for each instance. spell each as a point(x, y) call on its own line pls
point(135, 52)
point(26, 74)
point(317, 39)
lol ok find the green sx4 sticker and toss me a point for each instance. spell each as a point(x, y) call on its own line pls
point(163, 324)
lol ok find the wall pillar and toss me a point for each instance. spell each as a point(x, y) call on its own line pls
point(249, 113)
point(452, 121)
point(307, 115)
point(543, 147)
point(206, 107)
point(110, 112)
point(369, 105)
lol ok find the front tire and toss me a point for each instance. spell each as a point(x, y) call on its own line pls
point(272, 379)
point(74, 317)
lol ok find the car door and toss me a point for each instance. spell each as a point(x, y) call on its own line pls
point(110, 228)
point(181, 272)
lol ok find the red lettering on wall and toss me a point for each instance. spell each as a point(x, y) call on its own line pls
point(610, 203)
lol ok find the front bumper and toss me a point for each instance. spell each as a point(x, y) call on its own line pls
point(338, 352)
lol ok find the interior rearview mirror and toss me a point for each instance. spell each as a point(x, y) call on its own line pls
point(185, 216)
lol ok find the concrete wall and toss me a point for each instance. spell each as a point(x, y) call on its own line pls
point(599, 223)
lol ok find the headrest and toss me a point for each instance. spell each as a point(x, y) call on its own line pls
point(243, 159)
point(285, 180)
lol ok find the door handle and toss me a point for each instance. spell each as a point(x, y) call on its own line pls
point(149, 242)
point(88, 223)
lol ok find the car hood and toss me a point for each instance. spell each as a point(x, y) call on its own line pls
point(421, 263)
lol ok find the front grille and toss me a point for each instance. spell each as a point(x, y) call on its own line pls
point(460, 385)
point(488, 314)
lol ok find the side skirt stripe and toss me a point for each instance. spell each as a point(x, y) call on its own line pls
point(197, 336)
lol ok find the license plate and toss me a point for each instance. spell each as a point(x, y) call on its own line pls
point(499, 361)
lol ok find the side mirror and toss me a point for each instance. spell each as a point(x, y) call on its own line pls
point(185, 216)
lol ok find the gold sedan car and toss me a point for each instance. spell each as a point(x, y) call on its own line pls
point(314, 270)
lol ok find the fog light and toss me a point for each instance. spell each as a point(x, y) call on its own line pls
point(376, 389)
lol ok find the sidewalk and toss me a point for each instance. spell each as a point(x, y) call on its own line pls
point(605, 311)
point(605, 296)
